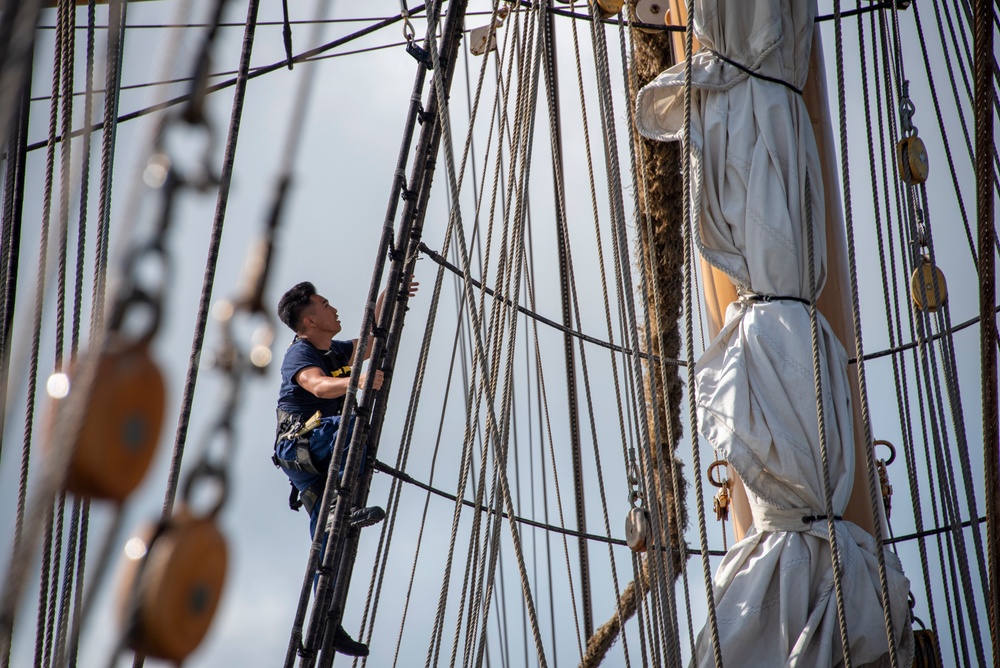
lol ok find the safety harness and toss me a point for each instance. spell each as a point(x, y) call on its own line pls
point(292, 428)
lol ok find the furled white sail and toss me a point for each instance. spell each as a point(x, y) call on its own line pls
point(753, 157)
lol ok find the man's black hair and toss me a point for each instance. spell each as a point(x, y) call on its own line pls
point(293, 303)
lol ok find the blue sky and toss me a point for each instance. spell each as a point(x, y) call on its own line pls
point(329, 235)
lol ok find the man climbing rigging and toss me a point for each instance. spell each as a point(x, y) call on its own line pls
point(315, 374)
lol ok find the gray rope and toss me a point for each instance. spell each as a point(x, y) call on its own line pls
point(618, 224)
point(874, 492)
point(68, 583)
point(409, 422)
point(443, 119)
point(954, 400)
point(117, 12)
point(18, 571)
point(985, 89)
point(639, 172)
point(821, 420)
point(497, 328)
point(68, 44)
point(565, 278)
point(897, 360)
point(211, 262)
point(690, 176)
point(470, 432)
point(959, 199)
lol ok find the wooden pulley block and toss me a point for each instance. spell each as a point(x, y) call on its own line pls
point(121, 424)
point(922, 286)
point(609, 8)
point(170, 594)
point(911, 155)
point(653, 12)
point(925, 654)
point(637, 529)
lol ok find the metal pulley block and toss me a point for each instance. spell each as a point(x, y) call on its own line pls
point(911, 155)
point(652, 12)
point(637, 529)
point(609, 8)
point(721, 504)
point(922, 286)
point(883, 479)
point(123, 413)
point(171, 585)
point(722, 498)
point(883, 476)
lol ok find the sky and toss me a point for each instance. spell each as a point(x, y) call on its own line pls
point(329, 234)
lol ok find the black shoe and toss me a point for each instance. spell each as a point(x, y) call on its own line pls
point(365, 517)
point(345, 644)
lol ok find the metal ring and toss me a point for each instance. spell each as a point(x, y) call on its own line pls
point(711, 470)
point(892, 451)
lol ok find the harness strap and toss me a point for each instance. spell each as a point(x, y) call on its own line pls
point(290, 427)
point(310, 497)
point(303, 458)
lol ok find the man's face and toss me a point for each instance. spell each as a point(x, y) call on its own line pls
point(322, 316)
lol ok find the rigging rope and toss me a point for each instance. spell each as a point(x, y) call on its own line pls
point(10, 236)
point(873, 483)
point(565, 269)
point(498, 433)
point(917, 207)
point(218, 224)
point(897, 360)
point(690, 176)
point(985, 173)
point(640, 170)
point(17, 573)
point(385, 538)
point(836, 562)
point(258, 72)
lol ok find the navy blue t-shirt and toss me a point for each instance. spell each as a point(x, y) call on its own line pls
point(302, 354)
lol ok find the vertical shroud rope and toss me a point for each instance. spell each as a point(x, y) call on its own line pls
point(562, 244)
point(211, 262)
point(873, 483)
point(691, 209)
point(985, 91)
point(18, 570)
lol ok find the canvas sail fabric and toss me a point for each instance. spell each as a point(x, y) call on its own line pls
point(753, 157)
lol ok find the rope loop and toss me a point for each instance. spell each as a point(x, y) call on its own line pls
point(408, 31)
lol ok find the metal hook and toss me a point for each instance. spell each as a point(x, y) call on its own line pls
point(892, 451)
point(711, 474)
